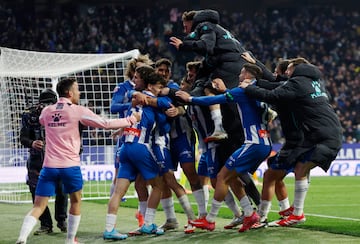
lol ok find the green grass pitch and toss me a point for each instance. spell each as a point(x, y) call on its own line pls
point(332, 209)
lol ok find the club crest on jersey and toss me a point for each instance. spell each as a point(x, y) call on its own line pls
point(56, 121)
point(318, 92)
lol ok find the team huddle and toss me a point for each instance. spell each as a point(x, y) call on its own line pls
point(226, 100)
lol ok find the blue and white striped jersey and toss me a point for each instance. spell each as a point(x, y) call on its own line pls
point(141, 132)
point(120, 101)
point(181, 124)
point(252, 113)
point(203, 124)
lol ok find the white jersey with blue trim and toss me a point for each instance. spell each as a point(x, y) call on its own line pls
point(203, 124)
point(160, 139)
point(180, 124)
point(161, 135)
point(120, 101)
point(141, 132)
point(252, 113)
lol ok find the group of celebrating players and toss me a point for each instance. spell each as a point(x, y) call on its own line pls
point(224, 99)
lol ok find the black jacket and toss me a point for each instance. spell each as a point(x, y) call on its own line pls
point(305, 94)
point(221, 51)
point(289, 124)
point(31, 130)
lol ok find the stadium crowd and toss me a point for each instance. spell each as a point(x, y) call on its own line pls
point(327, 37)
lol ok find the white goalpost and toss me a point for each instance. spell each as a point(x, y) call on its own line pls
point(23, 75)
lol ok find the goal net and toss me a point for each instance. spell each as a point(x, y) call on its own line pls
point(23, 75)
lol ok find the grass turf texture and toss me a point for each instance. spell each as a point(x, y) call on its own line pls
point(332, 211)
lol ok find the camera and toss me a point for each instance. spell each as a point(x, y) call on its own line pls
point(34, 114)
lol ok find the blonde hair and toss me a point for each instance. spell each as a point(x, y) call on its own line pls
point(131, 65)
point(188, 15)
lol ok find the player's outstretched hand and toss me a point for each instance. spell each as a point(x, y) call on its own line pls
point(245, 83)
point(38, 145)
point(137, 116)
point(183, 95)
point(272, 114)
point(138, 98)
point(219, 85)
point(248, 58)
point(176, 42)
point(172, 111)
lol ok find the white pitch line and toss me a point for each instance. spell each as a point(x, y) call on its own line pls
point(337, 205)
point(332, 217)
point(307, 214)
point(326, 216)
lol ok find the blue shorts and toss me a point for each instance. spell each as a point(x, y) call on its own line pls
point(202, 167)
point(182, 150)
point(163, 159)
point(49, 177)
point(248, 158)
point(117, 153)
point(137, 158)
point(212, 163)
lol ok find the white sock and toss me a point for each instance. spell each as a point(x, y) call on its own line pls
point(110, 222)
point(230, 202)
point(199, 196)
point(73, 225)
point(246, 206)
point(149, 216)
point(215, 206)
point(217, 118)
point(301, 188)
point(284, 204)
point(142, 207)
point(27, 226)
point(168, 206)
point(264, 208)
point(185, 204)
point(207, 195)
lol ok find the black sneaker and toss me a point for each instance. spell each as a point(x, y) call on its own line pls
point(62, 226)
point(43, 230)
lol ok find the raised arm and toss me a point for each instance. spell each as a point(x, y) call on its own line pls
point(203, 100)
point(267, 74)
point(117, 101)
point(89, 118)
point(202, 42)
point(283, 93)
